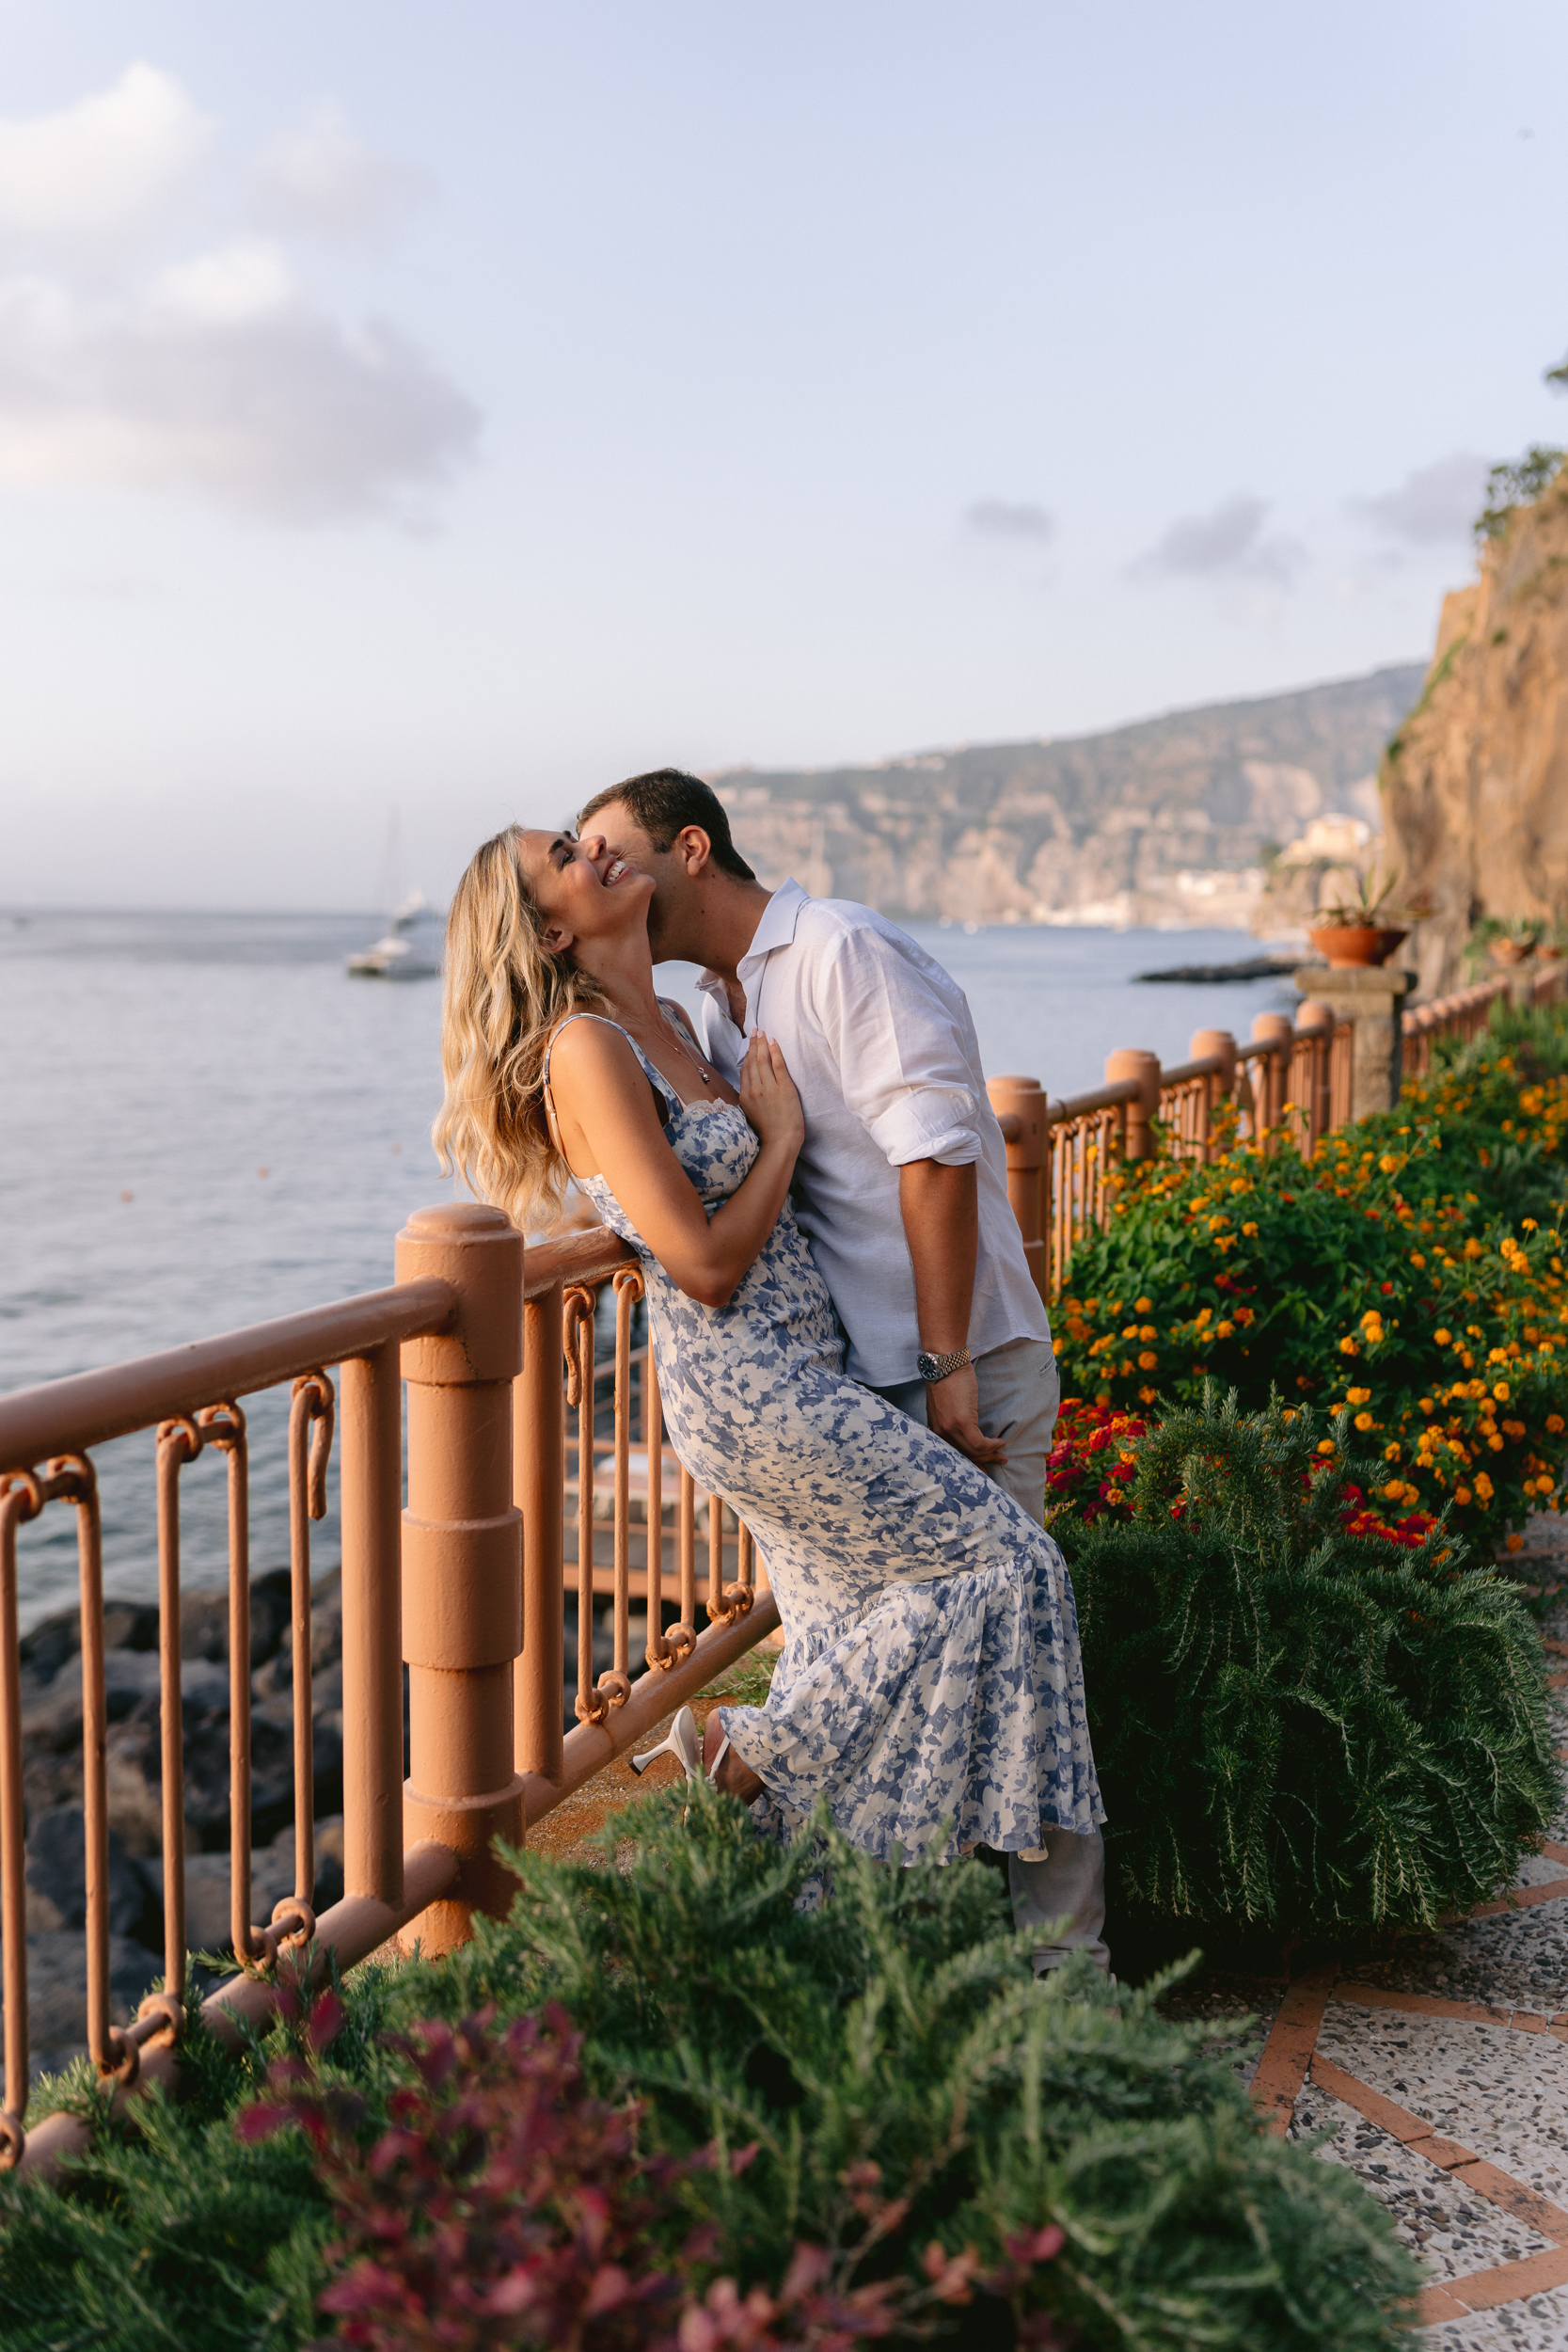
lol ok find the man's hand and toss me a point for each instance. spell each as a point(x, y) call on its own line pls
point(953, 1411)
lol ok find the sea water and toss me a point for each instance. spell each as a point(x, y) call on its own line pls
point(204, 1122)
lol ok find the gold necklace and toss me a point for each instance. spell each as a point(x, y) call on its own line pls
point(674, 1029)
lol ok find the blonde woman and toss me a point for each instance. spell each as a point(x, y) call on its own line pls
point(931, 1687)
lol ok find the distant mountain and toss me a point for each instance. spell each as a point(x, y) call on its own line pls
point(1171, 820)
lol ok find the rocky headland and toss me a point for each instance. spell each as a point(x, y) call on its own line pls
point(1475, 782)
point(1174, 820)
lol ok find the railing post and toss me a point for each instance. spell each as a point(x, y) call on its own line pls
point(1132, 1061)
point(369, 1405)
point(538, 1471)
point(1316, 1021)
point(1026, 1161)
point(1217, 1044)
point(1277, 1032)
point(462, 1562)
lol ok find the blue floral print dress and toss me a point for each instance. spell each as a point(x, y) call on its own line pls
point(930, 1686)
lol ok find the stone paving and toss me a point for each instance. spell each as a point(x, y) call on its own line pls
point(1437, 2073)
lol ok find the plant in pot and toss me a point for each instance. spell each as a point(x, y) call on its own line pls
point(1364, 926)
point(1507, 940)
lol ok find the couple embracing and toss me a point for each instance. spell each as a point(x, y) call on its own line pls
point(851, 1351)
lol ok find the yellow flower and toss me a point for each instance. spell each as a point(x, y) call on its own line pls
point(1501, 1392)
point(1442, 1337)
point(1131, 1332)
point(1387, 1163)
point(1148, 1395)
point(1395, 1489)
point(1205, 1314)
point(1142, 1306)
point(1148, 1360)
point(1529, 1224)
point(1497, 1356)
point(1426, 1405)
point(1348, 1347)
point(1359, 1396)
point(1416, 1259)
point(1372, 1322)
point(1147, 1332)
point(1484, 1487)
point(1363, 1421)
point(1472, 1248)
point(1240, 1185)
point(1494, 1441)
point(1391, 1453)
point(1250, 1231)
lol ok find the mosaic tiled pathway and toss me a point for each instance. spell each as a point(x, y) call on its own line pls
point(1441, 2076)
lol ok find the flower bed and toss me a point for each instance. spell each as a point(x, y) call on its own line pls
point(1412, 1274)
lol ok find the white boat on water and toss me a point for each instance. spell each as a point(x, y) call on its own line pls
point(408, 951)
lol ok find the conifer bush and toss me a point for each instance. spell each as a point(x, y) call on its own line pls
point(774, 2126)
point(1295, 1721)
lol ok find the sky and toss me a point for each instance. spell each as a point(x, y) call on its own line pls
point(449, 410)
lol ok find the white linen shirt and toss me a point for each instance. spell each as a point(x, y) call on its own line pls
point(879, 1041)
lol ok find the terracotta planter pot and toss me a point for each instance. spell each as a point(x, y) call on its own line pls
point(1343, 943)
point(1511, 952)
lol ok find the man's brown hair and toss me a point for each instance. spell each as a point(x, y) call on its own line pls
point(664, 802)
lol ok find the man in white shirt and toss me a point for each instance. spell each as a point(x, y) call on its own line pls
point(901, 1185)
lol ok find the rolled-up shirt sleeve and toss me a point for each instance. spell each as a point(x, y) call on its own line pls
point(901, 1054)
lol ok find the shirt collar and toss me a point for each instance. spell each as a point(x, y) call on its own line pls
point(776, 929)
point(777, 926)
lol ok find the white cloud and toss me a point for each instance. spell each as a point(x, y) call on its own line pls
point(1435, 503)
point(104, 167)
point(325, 179)
point(225, 379)
point(1007, 518)
point(1226, 542)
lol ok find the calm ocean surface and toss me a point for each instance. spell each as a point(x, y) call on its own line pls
point(205, 1123)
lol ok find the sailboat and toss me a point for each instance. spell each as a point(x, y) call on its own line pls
point(407, 951)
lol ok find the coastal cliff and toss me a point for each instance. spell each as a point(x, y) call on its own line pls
point(1475, 782)
point(1173, 821)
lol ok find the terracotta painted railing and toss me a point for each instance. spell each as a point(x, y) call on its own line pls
point(1291, 1080)
point(1466, 1013)
point(464, 1584)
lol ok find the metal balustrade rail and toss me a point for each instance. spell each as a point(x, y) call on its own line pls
point(1291, 1083)
point(1467, 1012)
point(443, 1586)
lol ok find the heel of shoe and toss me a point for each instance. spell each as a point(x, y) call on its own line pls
point(681, 1741)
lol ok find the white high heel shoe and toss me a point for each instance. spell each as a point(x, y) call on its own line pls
point(685, 1743)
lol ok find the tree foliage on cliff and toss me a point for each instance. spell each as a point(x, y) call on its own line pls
point(1294, 1721)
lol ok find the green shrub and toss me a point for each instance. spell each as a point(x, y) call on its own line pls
point(1296, 1721)
point(865, 2079)
point(1383, 1276)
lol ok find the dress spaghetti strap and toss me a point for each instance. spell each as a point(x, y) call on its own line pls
point(669, 1100)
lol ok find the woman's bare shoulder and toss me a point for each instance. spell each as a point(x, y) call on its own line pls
point(589, 1042)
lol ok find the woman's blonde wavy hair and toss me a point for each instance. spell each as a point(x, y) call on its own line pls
point(502, 999)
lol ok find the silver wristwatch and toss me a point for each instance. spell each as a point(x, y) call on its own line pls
point(938, 1367)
